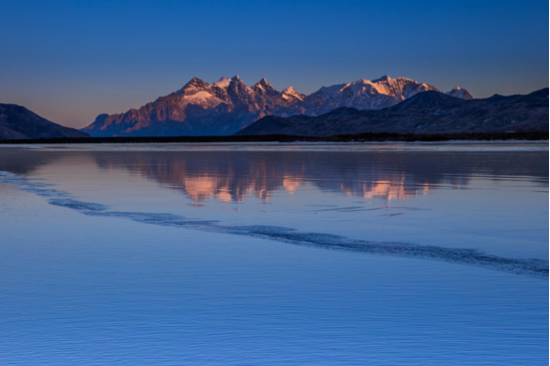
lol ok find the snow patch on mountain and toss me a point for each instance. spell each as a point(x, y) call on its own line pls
point(291, 94)
point(202, 98)
point(223, 82)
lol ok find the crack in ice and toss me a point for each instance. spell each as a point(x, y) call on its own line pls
point(531, 267)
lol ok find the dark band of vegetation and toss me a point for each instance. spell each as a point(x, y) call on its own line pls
point(367, 137)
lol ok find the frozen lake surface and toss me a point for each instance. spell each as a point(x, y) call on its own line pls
point(274, 254)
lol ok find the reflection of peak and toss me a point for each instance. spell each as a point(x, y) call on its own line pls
point(233, 176)
point(392, 190)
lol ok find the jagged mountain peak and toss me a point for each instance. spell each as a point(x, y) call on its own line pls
point(264, 81)
point(237, 83)
point(386, 79)
point(382, 78)
point(290, 93)
point(194, 85)
point(229, 104)
point(195, 81)
point(223, 82)
point(264, 86)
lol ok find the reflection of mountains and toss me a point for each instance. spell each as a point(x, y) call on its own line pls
point(231, 176)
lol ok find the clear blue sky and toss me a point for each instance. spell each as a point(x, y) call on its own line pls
point(71, 60)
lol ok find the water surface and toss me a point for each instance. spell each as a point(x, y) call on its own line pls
point(220, 254)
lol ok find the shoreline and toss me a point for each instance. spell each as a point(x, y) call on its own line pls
point(367, 137)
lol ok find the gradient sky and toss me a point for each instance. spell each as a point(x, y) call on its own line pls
point(72, 60)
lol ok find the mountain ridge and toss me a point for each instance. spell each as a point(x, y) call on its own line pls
point(228, 105)
point(18, 122)
point(430, 112)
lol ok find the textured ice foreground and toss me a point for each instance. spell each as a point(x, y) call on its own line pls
point(124, 256)
point(535, 267)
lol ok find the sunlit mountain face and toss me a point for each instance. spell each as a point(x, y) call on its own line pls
point(228, 105)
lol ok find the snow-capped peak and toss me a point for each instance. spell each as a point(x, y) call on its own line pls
point(290, 90)
point(291, 93)
point(195, 81)
point(363, 94)
point(264, 86)
point(223, 82)
point(383, 78)
point(263, 82)
point(194, 85)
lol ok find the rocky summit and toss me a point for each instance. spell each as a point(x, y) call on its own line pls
point(229, 105)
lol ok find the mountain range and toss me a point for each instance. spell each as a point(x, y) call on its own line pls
point(425, 113)
point(229, 105)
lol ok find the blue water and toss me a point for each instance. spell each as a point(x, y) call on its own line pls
point(267, 255)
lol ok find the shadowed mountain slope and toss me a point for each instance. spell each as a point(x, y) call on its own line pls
point(430, 112)
point(17, 122)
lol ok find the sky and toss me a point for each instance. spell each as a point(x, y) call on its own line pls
point(69, 61)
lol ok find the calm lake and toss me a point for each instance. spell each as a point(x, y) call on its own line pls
point(274, 254)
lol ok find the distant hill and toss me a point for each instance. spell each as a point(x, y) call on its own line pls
point(17, 123)
point(430, 112)
point(228, 105)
